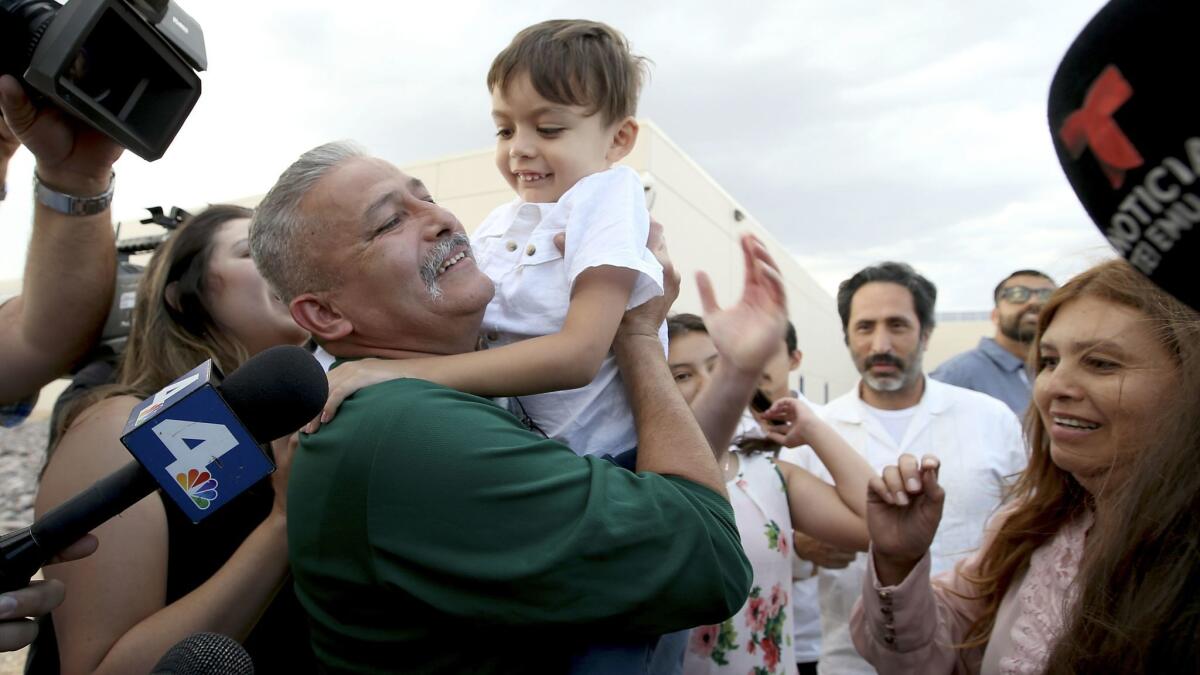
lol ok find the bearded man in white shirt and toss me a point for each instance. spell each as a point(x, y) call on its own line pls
point(887, 317)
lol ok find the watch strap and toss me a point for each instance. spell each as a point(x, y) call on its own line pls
point(71, 205)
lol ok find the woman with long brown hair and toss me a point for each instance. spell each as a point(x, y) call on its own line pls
point(1113, 356)
point(1138, 609)
point(157, 578)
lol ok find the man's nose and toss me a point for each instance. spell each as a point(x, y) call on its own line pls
point(439, 223)
point(881, 342)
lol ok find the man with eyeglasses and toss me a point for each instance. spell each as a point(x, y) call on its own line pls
point(997, 366)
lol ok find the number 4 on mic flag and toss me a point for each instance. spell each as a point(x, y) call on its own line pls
point(193, 445)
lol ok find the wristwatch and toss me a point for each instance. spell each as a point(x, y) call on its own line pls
point(70, 205)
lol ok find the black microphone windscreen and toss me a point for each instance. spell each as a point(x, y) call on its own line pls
point(1127, 133)
point(276, 391)
point(205, 654)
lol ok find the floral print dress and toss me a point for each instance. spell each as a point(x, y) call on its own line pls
point(758, 639)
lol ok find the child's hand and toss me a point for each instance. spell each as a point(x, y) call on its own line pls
point(788, 422)
point(349, 378)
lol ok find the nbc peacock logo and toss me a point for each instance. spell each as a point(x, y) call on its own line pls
point(199, 485)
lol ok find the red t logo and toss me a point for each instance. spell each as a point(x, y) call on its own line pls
point(1093, 126)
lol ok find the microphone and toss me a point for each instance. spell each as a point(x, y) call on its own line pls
point(205, 654)
point(1127, 134)
point(274, 393)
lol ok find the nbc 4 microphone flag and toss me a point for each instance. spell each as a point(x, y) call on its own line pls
point(193, 445)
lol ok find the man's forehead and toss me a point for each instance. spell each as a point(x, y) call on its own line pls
point(349, 191)
point(1029, 280)
point(878, 300)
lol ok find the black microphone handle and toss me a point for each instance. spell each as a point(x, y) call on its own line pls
point(80, 514)
point(25, 551)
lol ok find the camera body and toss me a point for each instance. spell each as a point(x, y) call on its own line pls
point(125, 67)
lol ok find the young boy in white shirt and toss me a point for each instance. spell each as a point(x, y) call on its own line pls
point(564, 96)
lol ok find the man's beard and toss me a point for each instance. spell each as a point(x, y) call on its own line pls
point(436, 257)
point(906, 372)
point(1014, 329)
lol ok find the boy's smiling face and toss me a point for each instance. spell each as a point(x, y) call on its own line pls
point(544, 148)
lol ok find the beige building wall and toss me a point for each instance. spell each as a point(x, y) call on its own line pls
point(956, 334)
point(702, 224)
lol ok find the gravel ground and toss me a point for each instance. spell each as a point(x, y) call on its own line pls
point(22, 453)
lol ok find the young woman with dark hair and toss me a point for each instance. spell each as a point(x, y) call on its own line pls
point(157, 578)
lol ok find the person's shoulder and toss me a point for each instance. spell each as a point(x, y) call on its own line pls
point(412, 399)
point(91, 446)
point(412, 422)
point(106, 415)
point(847, 404)
point(961, 366)
point(976, 403)
point(604, 185)
point(613, 177)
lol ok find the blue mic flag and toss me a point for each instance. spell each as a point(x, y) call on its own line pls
point(195, 448)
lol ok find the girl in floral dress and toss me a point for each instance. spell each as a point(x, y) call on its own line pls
point(769, 498)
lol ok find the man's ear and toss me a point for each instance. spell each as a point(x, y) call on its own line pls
point(996, 317)
point(624, 137)
point(314, 314)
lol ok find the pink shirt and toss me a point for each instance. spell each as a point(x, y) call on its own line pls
point(912, 627)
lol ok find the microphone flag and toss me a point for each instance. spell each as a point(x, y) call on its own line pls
point(188, 439)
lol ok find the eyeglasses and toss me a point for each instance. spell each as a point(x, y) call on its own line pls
point(1019, 294)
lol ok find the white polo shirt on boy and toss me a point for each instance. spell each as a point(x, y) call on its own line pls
point(605, 220)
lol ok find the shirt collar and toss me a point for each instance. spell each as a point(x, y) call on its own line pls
point(852, 409)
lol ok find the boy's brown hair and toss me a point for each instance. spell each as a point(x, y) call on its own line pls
point(574, 62)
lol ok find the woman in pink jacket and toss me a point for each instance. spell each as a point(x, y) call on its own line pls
point(1117, 369)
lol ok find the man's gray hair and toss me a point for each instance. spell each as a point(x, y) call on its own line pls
point(277, 231)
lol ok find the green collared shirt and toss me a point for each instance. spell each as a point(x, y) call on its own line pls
point(430, 532)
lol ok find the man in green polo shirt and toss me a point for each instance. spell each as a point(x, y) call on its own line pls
point(428, 529)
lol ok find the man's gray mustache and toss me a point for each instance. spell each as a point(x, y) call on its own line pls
point(437, 257)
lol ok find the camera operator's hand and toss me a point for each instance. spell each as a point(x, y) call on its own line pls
point(72, 158)
point(70, 266)
point(8, 148)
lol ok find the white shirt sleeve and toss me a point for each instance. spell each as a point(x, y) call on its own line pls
point(608, 225)
point(1015, 449)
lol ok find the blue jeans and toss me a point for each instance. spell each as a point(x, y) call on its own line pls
point(662, 655)
point(651, 656)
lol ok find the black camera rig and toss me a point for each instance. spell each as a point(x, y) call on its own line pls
point(125, 67)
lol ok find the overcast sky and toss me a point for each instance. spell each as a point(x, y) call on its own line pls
point(856, 131)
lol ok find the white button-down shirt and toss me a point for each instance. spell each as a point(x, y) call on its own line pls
point(980, 445)
point(806, 610)
point(606, 223)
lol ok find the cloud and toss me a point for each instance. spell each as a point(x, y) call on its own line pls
point(966, 258)
point(854, 131)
